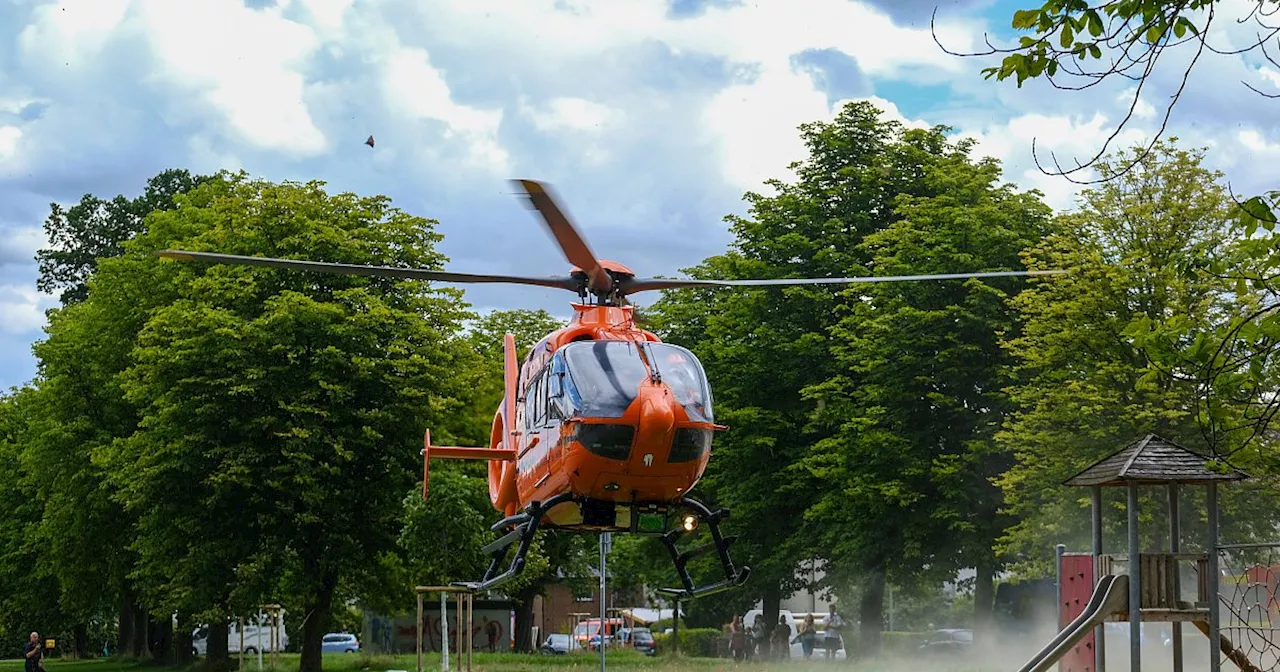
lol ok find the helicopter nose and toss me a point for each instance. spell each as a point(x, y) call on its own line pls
point(655, 430)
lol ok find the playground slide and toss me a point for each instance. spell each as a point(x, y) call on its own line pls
point(1111, 596)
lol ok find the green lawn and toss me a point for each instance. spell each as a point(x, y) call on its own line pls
point(621, 660)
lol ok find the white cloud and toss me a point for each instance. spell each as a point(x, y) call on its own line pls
point(417, 90)
point(1271, 75)
point(1059, 137)
point(19, 245)
point(245, 62)
point(9, 137)
point(22, 309)
point(327, 16)
point(1141, 109)
point(1254, 142)
point(573, 114)
point(71, 32)
point(759, 32)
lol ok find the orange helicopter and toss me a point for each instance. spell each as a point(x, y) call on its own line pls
point(602, 427)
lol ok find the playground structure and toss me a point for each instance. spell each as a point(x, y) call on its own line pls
point(464, 601)
point(1096, 588)
point(268, 618)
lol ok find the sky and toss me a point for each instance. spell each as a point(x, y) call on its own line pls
point(651, 118)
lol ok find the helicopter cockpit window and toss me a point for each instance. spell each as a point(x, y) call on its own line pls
point(682, 372)
point(604, 377)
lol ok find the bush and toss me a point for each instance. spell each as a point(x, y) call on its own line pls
point(699, 642)
point(663, 624)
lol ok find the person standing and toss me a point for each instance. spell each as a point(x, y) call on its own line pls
point(492, 631)
point(831, 639)
point(34, 653)
point(779, 638)
point(758, 635)
point(807, 636)
point(737, 639)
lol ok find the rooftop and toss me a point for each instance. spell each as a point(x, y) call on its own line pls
point(1155, 460)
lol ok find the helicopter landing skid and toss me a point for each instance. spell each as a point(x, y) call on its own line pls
point(719, 544)
point(524, 527)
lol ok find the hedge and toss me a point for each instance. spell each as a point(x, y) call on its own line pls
point(700, 642)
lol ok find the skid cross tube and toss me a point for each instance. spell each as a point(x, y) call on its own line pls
point(719, 543)
point(525, 528)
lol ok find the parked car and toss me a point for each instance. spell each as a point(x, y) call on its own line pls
point(949, 641)
point(340, 642)
point(642, 640)
point(556, 645)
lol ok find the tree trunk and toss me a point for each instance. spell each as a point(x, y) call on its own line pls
point(124, 632)
point(184, 649)
point(316, 624)
point(216, 653)
point(771, 605)
point(162, 640)
point(81, 641)
point(524, 617)
point(983, 597)
point(871, 611)
point(138, 647)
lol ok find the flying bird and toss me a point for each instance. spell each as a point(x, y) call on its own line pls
point(369, 141)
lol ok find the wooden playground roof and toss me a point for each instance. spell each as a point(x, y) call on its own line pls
point(1153, 460)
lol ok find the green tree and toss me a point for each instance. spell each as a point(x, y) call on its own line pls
point(762, 347)
point(96, 228)
point(1133, 249)
point(485, 337)
point(918, 397)
point(79, 413)
point(280, 411)
point(31, 597)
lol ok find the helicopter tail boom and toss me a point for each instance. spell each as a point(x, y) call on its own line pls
point(458, 453)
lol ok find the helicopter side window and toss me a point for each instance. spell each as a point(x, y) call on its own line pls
point(544, 382)
point(531, 402)
point(562, 395)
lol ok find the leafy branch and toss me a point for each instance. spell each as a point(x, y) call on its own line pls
point(1126, 38)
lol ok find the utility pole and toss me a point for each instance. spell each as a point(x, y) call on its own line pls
point(605, 538)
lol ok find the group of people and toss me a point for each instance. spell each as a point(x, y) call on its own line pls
point(745, 644)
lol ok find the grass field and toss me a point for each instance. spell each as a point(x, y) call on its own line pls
point(622, 660)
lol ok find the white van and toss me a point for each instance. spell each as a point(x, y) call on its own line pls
point(255, 638)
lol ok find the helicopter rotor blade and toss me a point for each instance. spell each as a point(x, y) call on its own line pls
point(575, 248)
point(367, 270)
point(631, 286)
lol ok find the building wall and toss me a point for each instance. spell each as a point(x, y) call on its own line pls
point(397, 634)
point(553, 611)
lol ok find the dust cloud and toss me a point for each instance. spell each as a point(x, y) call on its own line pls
point(1005, 651)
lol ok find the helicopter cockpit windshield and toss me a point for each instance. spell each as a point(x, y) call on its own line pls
point(682, 372)
point(603, 377)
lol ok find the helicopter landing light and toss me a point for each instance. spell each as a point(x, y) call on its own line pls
point(690, 523)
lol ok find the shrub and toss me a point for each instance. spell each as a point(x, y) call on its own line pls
point(699, 642)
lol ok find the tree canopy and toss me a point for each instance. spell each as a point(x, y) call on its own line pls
point(201, 439)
